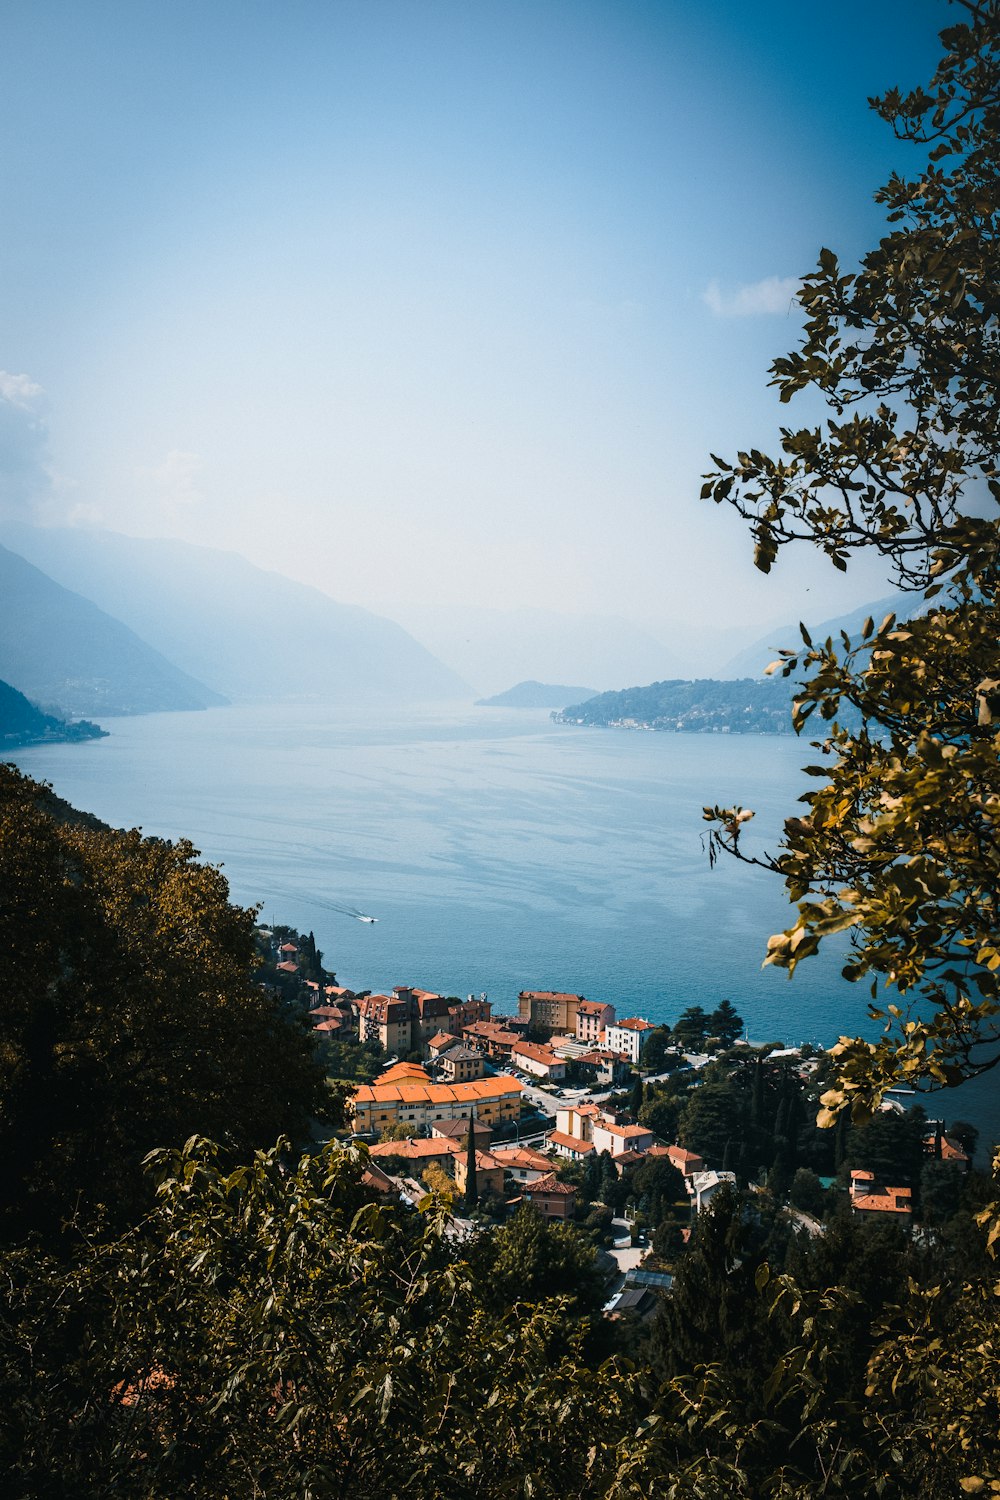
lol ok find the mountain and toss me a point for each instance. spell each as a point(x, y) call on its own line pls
point(250, 632)
point(60, 649)
point(536, 695)
point(751, 661)
point(21, 723)
point(494, 647)
point(747, 706)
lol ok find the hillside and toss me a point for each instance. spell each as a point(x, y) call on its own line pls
point(62, 650)
point(752, 660)
point(536, 695)
point(21, 723)
point(252, 633)
point(746, 706)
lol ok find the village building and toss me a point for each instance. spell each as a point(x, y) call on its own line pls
point(607, 1135)
point(549, 1008)
point(463, 1013)
point(385, 1021)
point(703, 1186)
point(552, 1198)
point(419, 1102)
point(458, 1130)
point(943, 1148)
point(489, 1173)
point(417, 1153)
point(491, 1037)
point(460, 1064)
point(869, 1199)
point(628, 1036)
point(538, 1060)
point(592, 1016)
point(522, 1163)
point(439, 1044)
point(686, 1162)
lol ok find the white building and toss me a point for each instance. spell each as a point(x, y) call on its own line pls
point(628, 1036)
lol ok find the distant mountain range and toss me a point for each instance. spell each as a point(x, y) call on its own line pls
point(216, 619)
point(494, 647)
point(752, 660)
point(63, 652)
point(536, 695)
point(21, 723)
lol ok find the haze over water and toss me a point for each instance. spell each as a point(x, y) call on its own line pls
point(498, 850)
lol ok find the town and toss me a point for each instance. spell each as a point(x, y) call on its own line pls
point(626, 1128)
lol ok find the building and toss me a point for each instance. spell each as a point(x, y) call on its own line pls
point(386, 1021)
point(572, 1135)
point(549, 1008)
point(592, 1017)
point(868, 1199)
point(522, 1163)
point(460, 1064)
point(462, 1013)
point(552, 1198)
point(703, 1186)
point(686, 1162)
point(491, 1037)
point(417, 1153)
point(458, 1130)
point(618, 1140)
point(489, 1173)
point(537, 1059)
point(628, 1036)
point(419, 1102)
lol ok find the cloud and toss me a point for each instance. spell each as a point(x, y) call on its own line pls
point(24, 475)
point(775, 294)
point(175, 480)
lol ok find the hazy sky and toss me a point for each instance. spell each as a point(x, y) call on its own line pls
point(443, 300)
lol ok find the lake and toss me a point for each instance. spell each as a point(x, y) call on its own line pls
point(499, 852)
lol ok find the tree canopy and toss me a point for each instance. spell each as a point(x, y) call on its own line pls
point(898, 845)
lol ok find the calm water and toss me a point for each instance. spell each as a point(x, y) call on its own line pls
point(499, 851)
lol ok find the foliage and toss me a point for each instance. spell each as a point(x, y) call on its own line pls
point(271, 1330)
point(129, 1019)
point(897, 847)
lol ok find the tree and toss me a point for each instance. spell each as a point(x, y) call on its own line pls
point(471, 1185)
point(655, 1051)
point(691, 1027)
point(897, 846)
point(129, 1020)
point(725, 1023)
point(712, 1118)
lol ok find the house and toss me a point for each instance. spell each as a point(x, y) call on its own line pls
point(417, 1102)
point(539, 1060)
point(686, 1162)
point(439, 1044)
point(607, 1069)
point(489, 1172)
point(628, 1036)
point(703, 1186)
point(617, 1139)
point(868, 1199)
point(459, 1064)
point(464, 1012)
point(549, 1008)
point(592, 1016)
point(491, 1037)
point(552, 1198)
point(417, 1153)
point(458, 1130)
point(427, 1011)
point(386, 1021)
point(943, 1148)
point(521, 1163)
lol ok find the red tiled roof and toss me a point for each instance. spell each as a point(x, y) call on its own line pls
point(570, 1142)
point(546, 1186)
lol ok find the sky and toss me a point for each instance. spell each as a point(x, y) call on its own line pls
point(433, 301)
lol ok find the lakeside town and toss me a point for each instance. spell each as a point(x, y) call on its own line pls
point(626, 1128)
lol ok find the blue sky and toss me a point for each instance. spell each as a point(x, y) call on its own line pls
point(431, 301)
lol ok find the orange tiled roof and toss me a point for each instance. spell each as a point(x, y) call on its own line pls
point(592, 1007)
point(627, 1132)
point(535, 1050)
point(885, 1203)
point(415, 1150)
point(635, 1023)
point(547, 1185)
point(404, 1072)
point(571, 1142)
point(522, 1156)
point(501, 1087)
